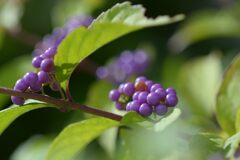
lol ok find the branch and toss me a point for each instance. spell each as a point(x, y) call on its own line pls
point(61, 103)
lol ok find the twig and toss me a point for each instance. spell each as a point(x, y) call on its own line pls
point(61, 103)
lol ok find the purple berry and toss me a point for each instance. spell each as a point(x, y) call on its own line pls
point(21, 85)
point(170, 90)
point(36, 87)
point(120, 88)
point(50, 52)
point(17, 100)
point(149, 84)
point(128, 89)
point(119, 106)
point(30, 78)
point(161, 109)
point(153, 98)
point(135, 95)
point(36, 62)
point(161, 92)
point(145, 110)
point(141, 78)
point(43, 77)
point(142, 97)
point(47, 65)
point(134, 106)
point(114, 95)
point(128, 106)
point(155, 87)
point(171, 100)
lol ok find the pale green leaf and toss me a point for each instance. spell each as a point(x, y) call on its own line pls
point(132, 117)
point(76, 136)
point(164, 122)
point(232, 144)
point(34, 148)
point(205, 25)
point(199, 81)
point(7, 116)
point(228, 101)
point(120, 20)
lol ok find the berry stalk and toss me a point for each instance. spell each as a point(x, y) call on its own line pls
point(61, 103)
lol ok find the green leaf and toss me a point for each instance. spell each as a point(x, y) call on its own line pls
point(164, 122)
point(7, 116)
point(34, 148)
point(233, 144)
point(205, 25)
point(199, 80)
point(110, 25)
point(132, 117)
point(228, 101)
point(20, 66)
point(76, 136)
point(237, 121)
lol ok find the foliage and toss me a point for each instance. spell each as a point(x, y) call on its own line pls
point(204, 69)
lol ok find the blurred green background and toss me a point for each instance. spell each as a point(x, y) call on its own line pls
point(190, 55)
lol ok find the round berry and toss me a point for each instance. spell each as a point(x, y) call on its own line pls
point(161, 109)
point(47, 65)
point(161, 92)
point(155, 87)
point(21, 85)
point(36, 87)
point(120, 88)
point(17, 100)
point(36, 62)
point(43, 77)
point(128, 89)
point(50, 52)
point(114, 95)
point(30, 78)
point(170, 90)
point(141, 79)
point(135, 95)
point(153, 98)
point(119, 106)
point(142, 97)
point(145, 110)
point(134, 106)
point(171, 100)
point(149, 84)
point(140, 86)
point(128, 106)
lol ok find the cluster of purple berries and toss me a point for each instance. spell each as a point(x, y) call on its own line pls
point(44, 60)
point(120, 69)
point(144, 96)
